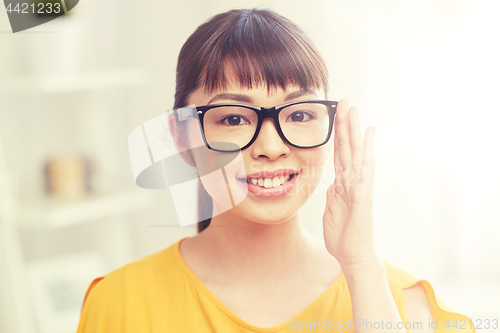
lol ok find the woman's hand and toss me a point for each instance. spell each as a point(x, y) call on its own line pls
point(348, 217)
point(348, 224)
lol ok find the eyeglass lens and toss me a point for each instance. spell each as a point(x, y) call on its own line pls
point(303, 125)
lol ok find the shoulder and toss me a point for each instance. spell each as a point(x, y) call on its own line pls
point(413, 294)
point(141, 269)
point(130, 295)
point(418, 303)
point(399, 276)
point(418, 307)
point(134, 278)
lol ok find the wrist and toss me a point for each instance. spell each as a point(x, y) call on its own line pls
point(362, 266)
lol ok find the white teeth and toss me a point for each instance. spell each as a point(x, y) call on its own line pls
point(269, 182)
point(276, 182)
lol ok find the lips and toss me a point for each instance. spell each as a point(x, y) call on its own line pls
point(270, 183)
point(269, 174)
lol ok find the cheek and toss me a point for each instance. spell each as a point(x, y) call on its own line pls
point(314, 165)
point(314, 161)
point(217, 171)
point(194, 135)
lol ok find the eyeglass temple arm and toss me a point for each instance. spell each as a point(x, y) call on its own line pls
point(185, 113)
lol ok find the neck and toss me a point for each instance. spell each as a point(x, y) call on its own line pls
point(241, 248)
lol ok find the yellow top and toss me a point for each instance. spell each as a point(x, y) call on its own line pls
point(159, 293)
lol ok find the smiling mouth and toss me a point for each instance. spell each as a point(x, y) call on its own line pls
point(269, 182)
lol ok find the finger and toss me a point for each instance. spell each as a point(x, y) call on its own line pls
point(335, 188)
point(336, 154)
point(355, 137)
point(342, 132)
point(368, 155)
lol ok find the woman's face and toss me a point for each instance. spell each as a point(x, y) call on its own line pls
point(267, 158)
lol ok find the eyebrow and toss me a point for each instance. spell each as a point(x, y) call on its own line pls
point(233, 97)
point(299, 93)
point(248, 99)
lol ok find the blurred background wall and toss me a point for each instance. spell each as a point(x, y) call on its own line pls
point(424, 72)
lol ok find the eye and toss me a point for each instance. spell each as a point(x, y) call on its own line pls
point(234, 120)
point(299, 116)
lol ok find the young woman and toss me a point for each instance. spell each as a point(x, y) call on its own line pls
point(259, 83)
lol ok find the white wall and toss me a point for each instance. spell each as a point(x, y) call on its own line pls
point(424, 72)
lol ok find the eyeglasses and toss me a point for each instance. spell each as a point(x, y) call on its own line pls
point(233, 127)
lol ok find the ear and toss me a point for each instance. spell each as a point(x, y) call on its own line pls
point(180, 137)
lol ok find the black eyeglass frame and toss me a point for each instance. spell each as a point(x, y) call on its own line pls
point(264, 113)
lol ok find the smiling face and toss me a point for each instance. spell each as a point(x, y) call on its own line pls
point(244, 52)
point(279, 178)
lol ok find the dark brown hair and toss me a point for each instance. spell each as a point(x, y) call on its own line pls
point(258, 47)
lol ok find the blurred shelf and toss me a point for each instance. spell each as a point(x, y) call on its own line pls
point(95, 80)
point(56, 213)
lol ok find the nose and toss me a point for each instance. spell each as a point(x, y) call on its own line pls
point(269, 143)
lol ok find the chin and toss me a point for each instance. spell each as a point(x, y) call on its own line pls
point(273, 217)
